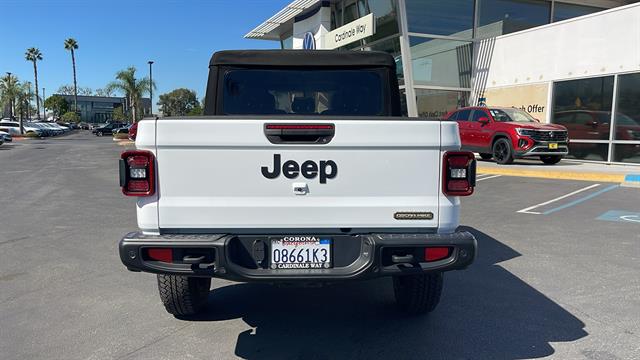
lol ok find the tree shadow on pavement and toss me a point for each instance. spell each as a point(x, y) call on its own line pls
point(485, 313)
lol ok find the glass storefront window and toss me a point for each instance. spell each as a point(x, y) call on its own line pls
point(562, 11)
point(386, 18)
point(336, 15)
point(384, 11)
point(627, 119)
point(629, 153)
point(441, 62)
point(435, 104)
point(391, 46)
point(403, 102)
point(441, 17)
point(350, 12)
point(584, 107)
point(287, 42)
point(588, 151)
point(498, 17)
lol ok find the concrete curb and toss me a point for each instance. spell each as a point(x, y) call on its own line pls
point(560, 175)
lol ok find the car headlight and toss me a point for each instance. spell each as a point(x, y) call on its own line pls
point(525, 132)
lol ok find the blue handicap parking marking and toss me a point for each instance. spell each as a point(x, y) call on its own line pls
point(632, 178)
point(620, 216)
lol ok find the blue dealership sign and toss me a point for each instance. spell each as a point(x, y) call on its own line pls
point(309, 41)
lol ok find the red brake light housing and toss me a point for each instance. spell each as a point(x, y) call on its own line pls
point(160, 254)
point(458, 173)
point(137, 173)
point(300, 127)
point(436, 253)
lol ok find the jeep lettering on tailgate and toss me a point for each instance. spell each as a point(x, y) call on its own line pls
point(327, 169)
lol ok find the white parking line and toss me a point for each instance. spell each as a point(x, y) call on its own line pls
point(528, 210)
point(488, 177)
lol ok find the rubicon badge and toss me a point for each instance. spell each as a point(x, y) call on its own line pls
point(413, 216)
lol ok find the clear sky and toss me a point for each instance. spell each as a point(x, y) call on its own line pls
point(179, 36)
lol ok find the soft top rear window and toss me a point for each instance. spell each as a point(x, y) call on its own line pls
point(304, 92)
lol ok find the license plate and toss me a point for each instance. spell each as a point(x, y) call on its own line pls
point(300, 252)
point(553, 146)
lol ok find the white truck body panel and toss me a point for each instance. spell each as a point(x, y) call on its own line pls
point(209, 176)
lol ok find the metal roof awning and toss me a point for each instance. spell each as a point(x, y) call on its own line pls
point(265, 31)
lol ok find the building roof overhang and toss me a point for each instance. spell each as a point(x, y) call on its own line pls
point(273, 27)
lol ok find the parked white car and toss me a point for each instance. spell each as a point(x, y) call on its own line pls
point(62, 127)
point(13, 128)
point(44, 130)
point(5, 136)
point(9, 127)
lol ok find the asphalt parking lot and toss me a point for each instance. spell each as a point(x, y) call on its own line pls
point(558, 276)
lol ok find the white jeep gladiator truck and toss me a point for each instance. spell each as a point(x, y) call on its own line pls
point(302, 171)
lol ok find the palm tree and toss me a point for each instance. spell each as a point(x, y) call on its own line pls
point(34, 55)
point(24, 97)
point(72, 45)
point(9, 90)
point(133, 88)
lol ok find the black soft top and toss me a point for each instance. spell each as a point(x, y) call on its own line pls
point(302, 58)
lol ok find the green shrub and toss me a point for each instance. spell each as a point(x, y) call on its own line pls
point(70, 116)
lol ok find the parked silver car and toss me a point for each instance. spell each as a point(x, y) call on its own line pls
point(5, 136)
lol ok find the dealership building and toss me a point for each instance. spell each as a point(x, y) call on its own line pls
point(99, 109)
point(575, 63)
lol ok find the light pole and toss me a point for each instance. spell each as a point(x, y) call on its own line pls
point(10, 102)
point(150, 62)
point(29, 102)
point(44, 108)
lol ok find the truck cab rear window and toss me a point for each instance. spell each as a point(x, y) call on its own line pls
point(303, 92)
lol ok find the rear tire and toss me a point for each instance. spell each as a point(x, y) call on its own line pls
point(99, 133)
point(503, 151)
point(551, 159)
point(418, 294)
point(486, 156)
point(183, 295)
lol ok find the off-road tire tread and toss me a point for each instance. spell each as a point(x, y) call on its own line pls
point(182, 295)
point(418, 294)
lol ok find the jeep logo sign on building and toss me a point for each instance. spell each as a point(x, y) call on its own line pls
point(353, 31)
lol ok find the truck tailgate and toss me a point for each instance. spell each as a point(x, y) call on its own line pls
point(210, 175)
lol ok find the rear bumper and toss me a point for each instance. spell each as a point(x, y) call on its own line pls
point(235, 257)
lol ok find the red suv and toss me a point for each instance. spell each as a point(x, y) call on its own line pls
point(506, 133)
point(133, 131)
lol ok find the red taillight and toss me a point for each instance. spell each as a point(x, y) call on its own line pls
point(458, 173)
point(159, 254)
point(137, 173)
point(137, 161)
point(436, 253)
